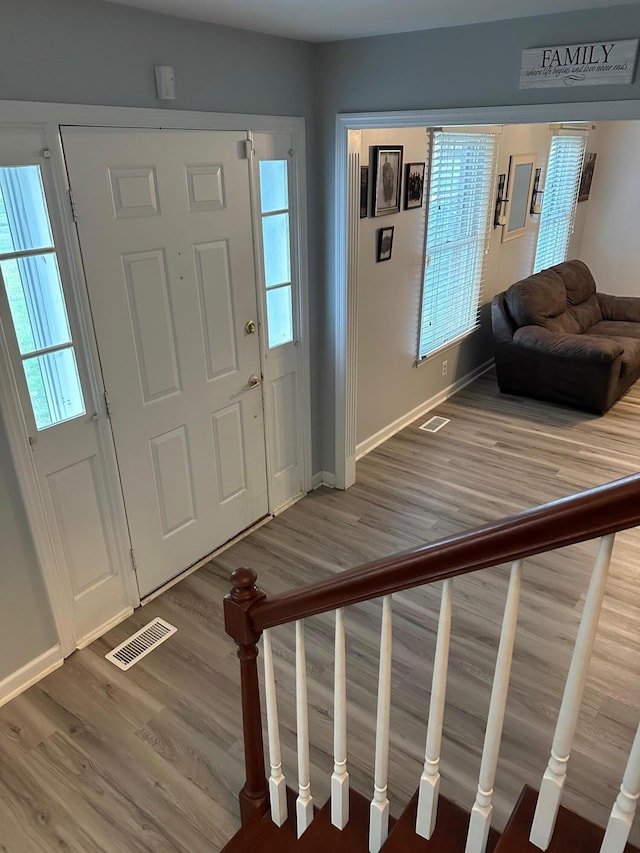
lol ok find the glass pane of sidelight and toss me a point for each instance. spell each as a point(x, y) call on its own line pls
point(277, 258)
point(279, 316)
point(34, 291)
point(274, 190)
point(54, 387)
point(24, 222)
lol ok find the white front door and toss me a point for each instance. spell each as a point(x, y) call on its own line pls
point(39, 325)
point(164, 220)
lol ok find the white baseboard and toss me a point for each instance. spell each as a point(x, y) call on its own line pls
point(323, 478)
point(387, 432)
point(30, 673)
point(106, 626)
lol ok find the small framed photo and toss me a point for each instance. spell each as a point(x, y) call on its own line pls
point(385, 243)
point(387, 179)
point(364, 191)
point(587, 175)
point(414, 186)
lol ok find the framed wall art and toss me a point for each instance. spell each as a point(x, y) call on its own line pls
point(385, 243)
point(387, 177)
point(364, 191)
point(587, 175)
point(414, 185)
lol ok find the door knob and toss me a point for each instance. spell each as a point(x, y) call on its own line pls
point(254, 380)
point(250, 327)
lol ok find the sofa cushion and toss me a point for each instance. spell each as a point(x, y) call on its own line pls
point(582, 302)
point(541, 300)
point(576, 348)
point(577, 279)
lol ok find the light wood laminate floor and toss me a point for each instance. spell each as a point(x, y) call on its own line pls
point(93, 759)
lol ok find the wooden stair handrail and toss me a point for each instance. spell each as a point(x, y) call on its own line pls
point(588, 515)
point(247, 611)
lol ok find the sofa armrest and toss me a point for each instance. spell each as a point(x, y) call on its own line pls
point(588, 348)
point(620, 308)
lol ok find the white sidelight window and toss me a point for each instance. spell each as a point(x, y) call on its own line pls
point(276, 247)
point(461, 182)
point(33, 289)
point(560, 198)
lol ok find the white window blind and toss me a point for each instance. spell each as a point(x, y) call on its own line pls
point(458, 219)
point(560, 199)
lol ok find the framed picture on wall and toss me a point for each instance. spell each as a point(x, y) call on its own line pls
point(364, 191)
point(587, 175)
point(387, 178)
point(414, 185)
point(385, 244)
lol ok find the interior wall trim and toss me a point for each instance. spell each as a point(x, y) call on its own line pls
point(30, 673)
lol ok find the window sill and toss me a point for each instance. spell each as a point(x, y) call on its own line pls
point(444, 347)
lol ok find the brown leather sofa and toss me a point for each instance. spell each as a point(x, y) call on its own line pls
point(557, 339)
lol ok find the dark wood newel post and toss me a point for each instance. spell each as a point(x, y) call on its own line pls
point(254, 796)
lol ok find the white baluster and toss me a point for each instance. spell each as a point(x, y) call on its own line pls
point(430, 779)
point(480, 821)
point(277, 783)
point(379, 810)
point(544, 819)
point(304, 803)
point(340, 777)
point(619, 827)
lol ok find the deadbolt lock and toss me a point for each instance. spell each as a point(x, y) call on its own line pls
point(250, 327)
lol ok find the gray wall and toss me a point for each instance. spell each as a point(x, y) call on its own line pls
point(446, 68)
point(88, 52)
point(26, 624)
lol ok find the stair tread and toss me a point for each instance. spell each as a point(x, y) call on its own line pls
point(572, 832)
point(323, 835)
point(450, 834)
point(264, 836)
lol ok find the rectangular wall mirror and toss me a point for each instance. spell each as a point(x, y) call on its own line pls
point(522, 168)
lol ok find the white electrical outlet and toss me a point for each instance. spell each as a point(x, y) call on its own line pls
point(444, 367)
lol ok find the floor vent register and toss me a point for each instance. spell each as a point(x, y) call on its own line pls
point(434, 424)
point(141, 643)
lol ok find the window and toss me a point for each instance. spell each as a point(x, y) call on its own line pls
point(458, 218)
point(276, 246)
point(560, 199)
point(29, 271)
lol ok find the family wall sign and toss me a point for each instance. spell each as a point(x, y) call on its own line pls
point(589, 64)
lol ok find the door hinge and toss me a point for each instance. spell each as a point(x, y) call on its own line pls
point(107, 405)
point(74, 211)
point(248, 149)
point(134, 565)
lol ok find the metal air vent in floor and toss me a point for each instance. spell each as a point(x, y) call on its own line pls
point(434, 424)
point(141, 643)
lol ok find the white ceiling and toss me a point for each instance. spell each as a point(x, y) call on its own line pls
point(328, 20)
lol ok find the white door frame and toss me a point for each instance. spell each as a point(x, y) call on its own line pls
point(346, 229)
point(48, 118)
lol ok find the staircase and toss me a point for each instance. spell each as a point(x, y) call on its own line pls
point(572, 832)
point(275, 818)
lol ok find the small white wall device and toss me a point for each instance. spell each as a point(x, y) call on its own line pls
point(165, 83)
